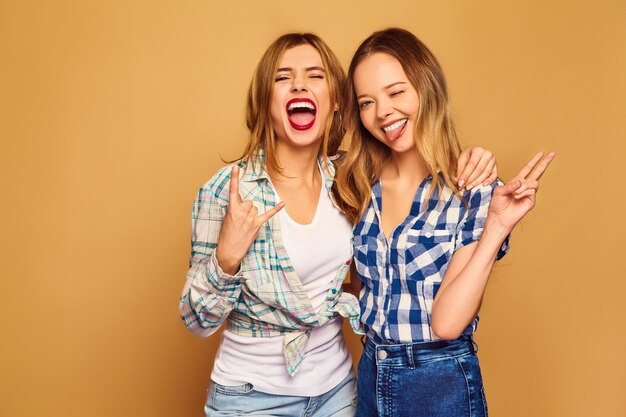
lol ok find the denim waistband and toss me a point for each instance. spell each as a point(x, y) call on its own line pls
point(412, 354)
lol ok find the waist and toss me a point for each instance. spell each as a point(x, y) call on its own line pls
point(412, 354)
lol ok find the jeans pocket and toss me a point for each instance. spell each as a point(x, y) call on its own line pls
point(234, 390)
point(474, 382)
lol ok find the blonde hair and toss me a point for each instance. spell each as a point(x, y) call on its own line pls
point(435, 135)
point(258, 113)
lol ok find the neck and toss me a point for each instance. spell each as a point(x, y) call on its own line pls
point(298, 163)
point(406, 166)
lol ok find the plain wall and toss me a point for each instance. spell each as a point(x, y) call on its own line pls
point(113, 114)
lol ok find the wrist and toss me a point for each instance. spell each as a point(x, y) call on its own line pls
point(228, 266)
point(495, 231)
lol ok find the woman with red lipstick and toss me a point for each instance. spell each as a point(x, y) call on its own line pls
point(423, 247)
point(274, 271)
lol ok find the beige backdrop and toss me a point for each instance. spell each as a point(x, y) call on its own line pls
point(112, 114)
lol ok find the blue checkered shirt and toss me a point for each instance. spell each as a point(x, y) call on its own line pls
point(401, 276)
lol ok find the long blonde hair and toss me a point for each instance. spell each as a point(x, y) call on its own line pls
point(258, 113)
point(435, 135)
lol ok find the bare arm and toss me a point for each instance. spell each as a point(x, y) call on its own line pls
point(459, 298)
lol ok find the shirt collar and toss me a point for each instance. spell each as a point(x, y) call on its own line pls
point(255, 168)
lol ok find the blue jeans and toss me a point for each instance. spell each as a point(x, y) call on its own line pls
point(433, 379)
point(245, 401)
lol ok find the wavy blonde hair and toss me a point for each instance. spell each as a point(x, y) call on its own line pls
point(258, 112)
point(435, 134)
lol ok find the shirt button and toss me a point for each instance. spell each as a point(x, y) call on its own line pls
point(382, 354)
point(428, 234)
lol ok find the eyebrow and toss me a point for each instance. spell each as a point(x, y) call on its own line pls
point(315, 68)
point(384, 88)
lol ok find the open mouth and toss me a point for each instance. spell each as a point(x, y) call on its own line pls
point(394, 130)
point(301, 113)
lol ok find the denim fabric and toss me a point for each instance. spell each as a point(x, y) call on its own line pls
point(433, 379)
point(245, 401)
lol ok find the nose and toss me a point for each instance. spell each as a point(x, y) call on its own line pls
point(299, 83)
point(383, 108)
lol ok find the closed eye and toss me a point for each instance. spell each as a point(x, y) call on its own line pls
point(396, 93)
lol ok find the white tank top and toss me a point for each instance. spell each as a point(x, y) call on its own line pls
point(316, 251)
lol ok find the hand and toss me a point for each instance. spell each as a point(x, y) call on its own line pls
point(239, 227)
point(475, 166)
point(511, 202)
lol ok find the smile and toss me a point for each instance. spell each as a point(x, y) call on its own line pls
point(301, 113)
point(396, 125)
point(395, 129)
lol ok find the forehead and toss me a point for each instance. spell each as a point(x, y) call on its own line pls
point(301, 56)
point(377, 71)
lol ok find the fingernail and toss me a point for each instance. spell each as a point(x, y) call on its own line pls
point(469, 187)
point(461, 183)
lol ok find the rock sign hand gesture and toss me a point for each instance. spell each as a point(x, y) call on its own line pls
point(239, 226)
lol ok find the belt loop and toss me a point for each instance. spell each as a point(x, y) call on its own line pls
point(474, 344)
point(409, 354)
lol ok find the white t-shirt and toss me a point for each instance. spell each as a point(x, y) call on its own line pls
point(316, 251)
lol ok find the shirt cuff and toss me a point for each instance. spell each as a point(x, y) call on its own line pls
point(222, 281)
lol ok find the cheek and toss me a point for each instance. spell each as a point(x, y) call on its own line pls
point(366, 120)
point(276, 108)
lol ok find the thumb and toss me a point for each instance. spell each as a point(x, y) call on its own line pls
point(508, 188)
point(270, 213)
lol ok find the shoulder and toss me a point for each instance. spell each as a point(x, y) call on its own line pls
point(481, 194)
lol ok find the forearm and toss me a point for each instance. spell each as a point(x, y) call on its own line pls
point(208, 297)
point(459, 298)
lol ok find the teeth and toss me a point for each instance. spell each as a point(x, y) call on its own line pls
point(394, 126)
point(301, 105)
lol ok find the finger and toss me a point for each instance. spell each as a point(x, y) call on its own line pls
point(527, 193)
point(460, 165)
point(527, 185)
point(529, 166)
point(482, 171)
point(270, 213)
point(493, 177)
point(541, 167)
point(469, 168)
point(234, 196)
point(253, 213)
point(247, 206)
point(508, 188)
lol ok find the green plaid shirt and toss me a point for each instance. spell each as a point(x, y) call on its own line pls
point(265, 298)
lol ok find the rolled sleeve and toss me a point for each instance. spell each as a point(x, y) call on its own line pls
point(470, 228)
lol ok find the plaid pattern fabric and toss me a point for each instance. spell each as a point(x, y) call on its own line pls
point(265, 298)
point(401, 277)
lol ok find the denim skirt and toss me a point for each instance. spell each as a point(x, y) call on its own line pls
point(432, 379)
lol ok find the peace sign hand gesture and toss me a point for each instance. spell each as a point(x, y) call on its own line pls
point(510, 202)
point(239, 227)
